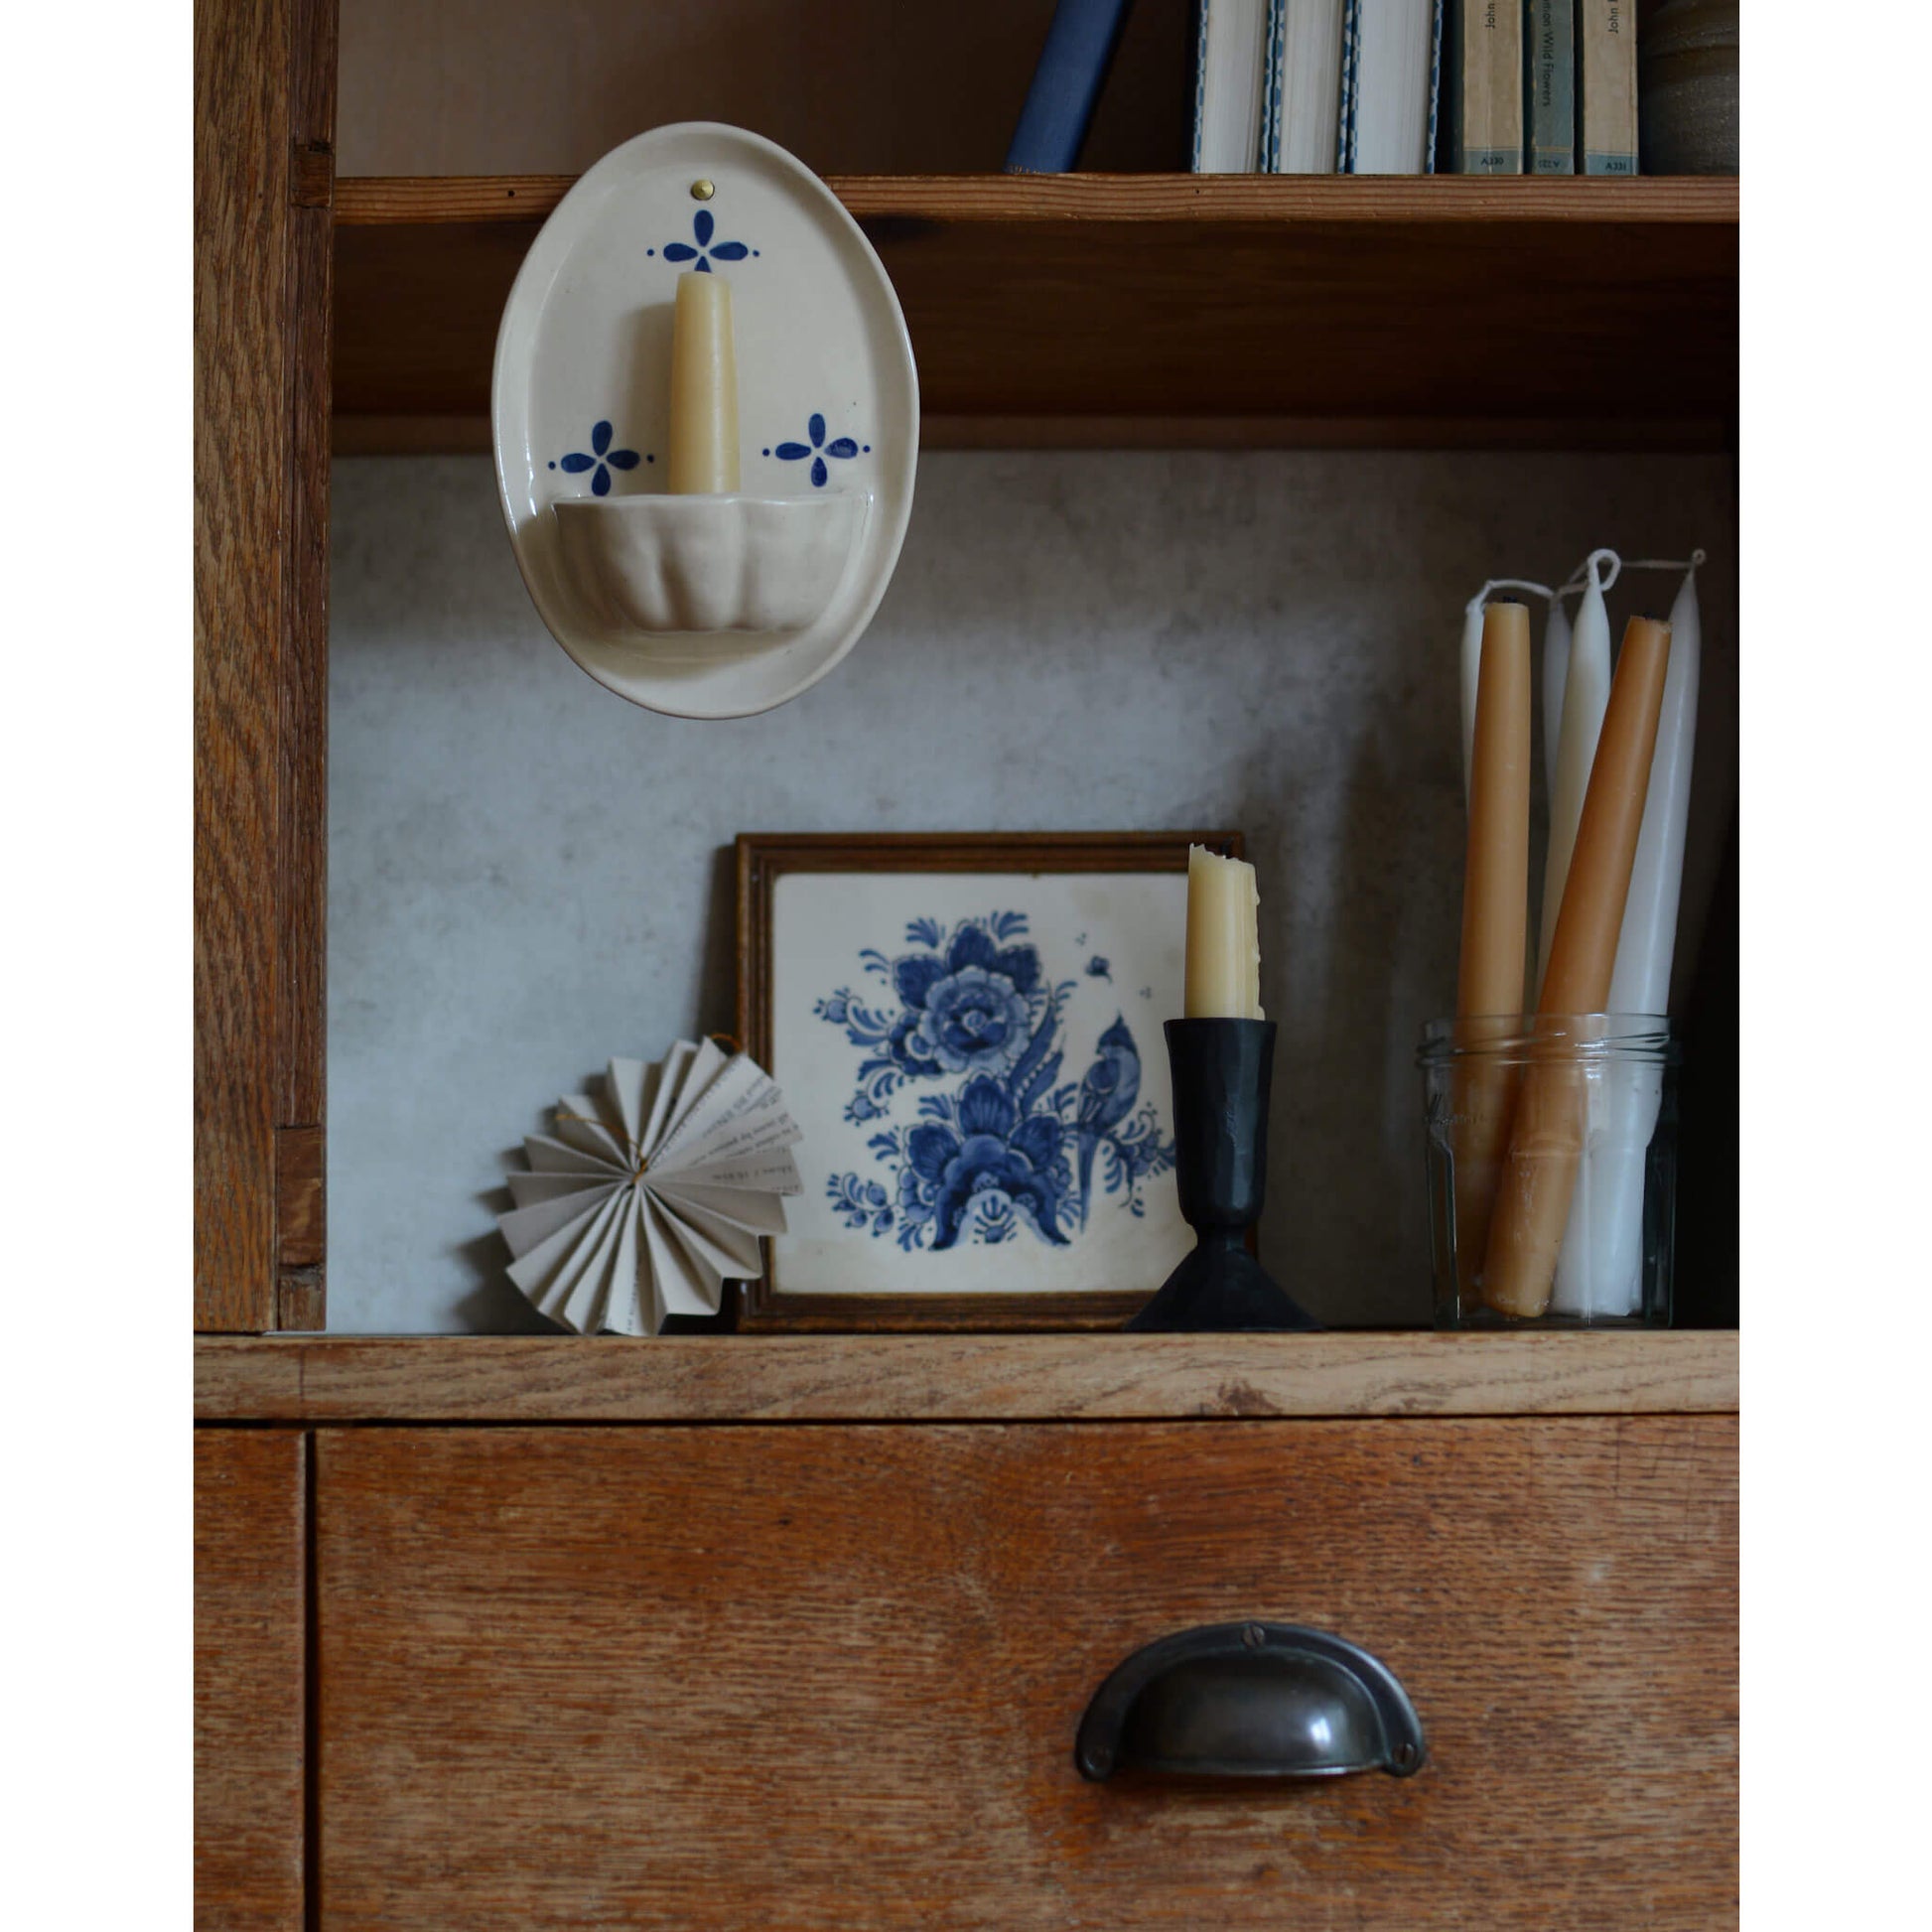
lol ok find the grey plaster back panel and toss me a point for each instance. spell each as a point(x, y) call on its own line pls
point(527, 875)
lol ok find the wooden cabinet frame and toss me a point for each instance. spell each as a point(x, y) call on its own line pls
point(1297, 277)
point(264, 177)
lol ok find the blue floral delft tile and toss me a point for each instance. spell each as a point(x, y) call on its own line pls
point(1000, 1145)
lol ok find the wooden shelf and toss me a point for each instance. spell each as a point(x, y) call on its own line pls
point(1160, 309)
point(958, 1378)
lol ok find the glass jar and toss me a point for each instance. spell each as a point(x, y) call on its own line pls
point(1551, 1153)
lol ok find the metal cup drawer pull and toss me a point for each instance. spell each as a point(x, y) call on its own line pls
point(1250, 1701)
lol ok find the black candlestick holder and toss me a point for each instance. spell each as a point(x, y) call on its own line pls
point(1221, 1070)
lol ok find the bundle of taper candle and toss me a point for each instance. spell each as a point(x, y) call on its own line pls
point(1548, 1216)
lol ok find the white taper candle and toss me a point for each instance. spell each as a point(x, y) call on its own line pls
point(1586, 691)
point(1600, 1269)
point(1470, 666)
point(1556, 667)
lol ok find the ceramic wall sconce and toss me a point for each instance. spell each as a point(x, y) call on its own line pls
point(705, 606)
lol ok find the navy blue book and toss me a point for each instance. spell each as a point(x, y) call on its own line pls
point(1067, 84)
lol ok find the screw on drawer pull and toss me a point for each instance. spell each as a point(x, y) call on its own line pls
point(1251, 1701)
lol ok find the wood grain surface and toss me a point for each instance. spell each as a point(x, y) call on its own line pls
point(958, 1378)
point(831, 1677)
point(264, 95)
point(250, 1648)
point(241, 447)
point(373, 201)
point(302, 859)
point(1559, 312)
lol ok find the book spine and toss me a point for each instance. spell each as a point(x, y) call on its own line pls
point(1352, 60)
point(1435, 88)
point(1067, 84)
point(1485, 87)
point(1606, 87)
point(1274, 55)
point(1549, 86)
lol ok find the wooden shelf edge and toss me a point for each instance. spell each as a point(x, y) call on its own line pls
point(959, 1378)
point(374, 201)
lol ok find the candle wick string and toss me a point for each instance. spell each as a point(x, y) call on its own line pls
point(1503, 584)
point(1584, 575)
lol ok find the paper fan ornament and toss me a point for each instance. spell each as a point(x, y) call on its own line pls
point(650, 1196)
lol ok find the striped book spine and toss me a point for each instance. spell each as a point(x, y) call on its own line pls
point(1352, 65)
point(1200, 79)
point(1434, 90)
point(1606, 87)
point(1550, 84)
point(1351, 86)
point(1271, 100)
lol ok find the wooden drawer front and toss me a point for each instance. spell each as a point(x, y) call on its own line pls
point(830, 1675)
point(248, 1655)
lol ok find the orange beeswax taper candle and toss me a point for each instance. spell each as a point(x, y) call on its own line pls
point(1546, 1136)
point(1496, 868)
point(1495, 921)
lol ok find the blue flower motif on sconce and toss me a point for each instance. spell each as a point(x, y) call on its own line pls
point(818, 450)
point(704, 226)
point(603, 459)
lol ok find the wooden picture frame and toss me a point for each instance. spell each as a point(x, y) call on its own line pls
point(765, 859)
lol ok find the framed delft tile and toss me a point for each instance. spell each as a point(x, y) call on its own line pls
point(968, 1029)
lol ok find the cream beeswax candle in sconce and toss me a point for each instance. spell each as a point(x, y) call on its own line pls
point(704, 389)
point(1223, 947)
point(1546, 1132)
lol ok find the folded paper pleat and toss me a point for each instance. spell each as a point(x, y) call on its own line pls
point(647, 1196)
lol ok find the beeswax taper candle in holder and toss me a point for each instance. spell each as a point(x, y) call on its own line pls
point(1222, 1056)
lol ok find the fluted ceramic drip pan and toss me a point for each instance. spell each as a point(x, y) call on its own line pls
point(648, 567)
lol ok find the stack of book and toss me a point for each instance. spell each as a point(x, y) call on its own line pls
point(1353, 87)
point(1542, 87)
point(1317, 86)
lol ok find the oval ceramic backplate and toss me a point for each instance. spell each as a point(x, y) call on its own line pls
point(827, 394)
